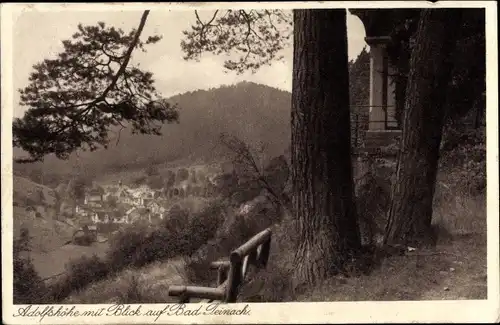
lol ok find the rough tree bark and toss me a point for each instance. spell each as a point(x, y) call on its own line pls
point(321, 154)
point(409, 219)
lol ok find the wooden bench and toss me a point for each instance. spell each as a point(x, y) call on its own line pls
point(230, 273)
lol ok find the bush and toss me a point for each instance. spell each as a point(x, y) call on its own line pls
point(80, 273)
point(28, 286)
point(151, 170)
point(169, 179)
point(155, 182)
point(466, 167)
point(372, 202)
point(199, 273)
point(463, 155)
point(128, 245)
point(139, 180)
point(182, 174)
point(275, 282)
point(86, 269)
point(178, 234)
point(83, 240)
point(133, 294)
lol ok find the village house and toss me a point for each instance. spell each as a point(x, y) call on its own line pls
point(122, 219)
point(142, 196)
point(81, 210)
point(124, 196)
point(38, 211)
point(31, 211)
point(147, 198)
point(94, 196)
point(157, 206)
point(107, 195)
point(100, 217)
point(138, 214)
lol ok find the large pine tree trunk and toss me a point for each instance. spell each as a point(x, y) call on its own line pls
point(410, 214)
point(321, 154)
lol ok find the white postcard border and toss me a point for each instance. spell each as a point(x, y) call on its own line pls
point(305, 312)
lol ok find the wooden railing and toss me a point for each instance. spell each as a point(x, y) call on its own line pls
point(230, 274)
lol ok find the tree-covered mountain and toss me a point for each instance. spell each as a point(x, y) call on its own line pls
point(256, 113)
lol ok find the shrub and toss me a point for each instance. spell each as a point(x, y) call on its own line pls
point(372, 202)
point(177, 235)
point(275, 282)
point(139, 180)
point(155, 182)
point(133, 294)
point(182, 174)
point(203, 226)
point(28, 286)
point(127, 245)
point(151, 170)
point(83, 240)
point(199, 273)
point(169, 179)
point(80, 273)
point(86, 269)
point(463, 155)
point(466, 168)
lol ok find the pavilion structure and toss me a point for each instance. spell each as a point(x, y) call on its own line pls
point(382, 125)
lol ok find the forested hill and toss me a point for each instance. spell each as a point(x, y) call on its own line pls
point(253, 112)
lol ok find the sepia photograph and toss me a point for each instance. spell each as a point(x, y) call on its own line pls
point(224, 155)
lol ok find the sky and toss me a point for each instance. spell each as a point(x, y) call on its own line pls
point(38, 34)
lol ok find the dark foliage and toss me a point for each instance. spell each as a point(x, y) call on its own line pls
point(359, 79)
point(81, 272)
point(178, 234)
point(28, 285)
point(182, 174)
point(155, 182)
point(257, 36)
point(75, 99)
point(468, 77)
point(151, 170)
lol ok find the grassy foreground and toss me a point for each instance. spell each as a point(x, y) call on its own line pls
point(454, 269)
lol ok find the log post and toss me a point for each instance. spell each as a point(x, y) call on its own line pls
point(184, 298)
point(234, 280)
point(221, 275)
point(252, 257)
point(264, 253)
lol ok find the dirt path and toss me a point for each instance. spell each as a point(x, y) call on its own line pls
point(466, 278)
point(452, 271)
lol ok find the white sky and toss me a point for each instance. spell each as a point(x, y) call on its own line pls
point(38, 35)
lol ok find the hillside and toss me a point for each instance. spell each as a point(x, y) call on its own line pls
point(253, 112)
point(27, 192)
point(35, 209)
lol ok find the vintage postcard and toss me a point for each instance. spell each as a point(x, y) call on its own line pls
point(246, 163)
